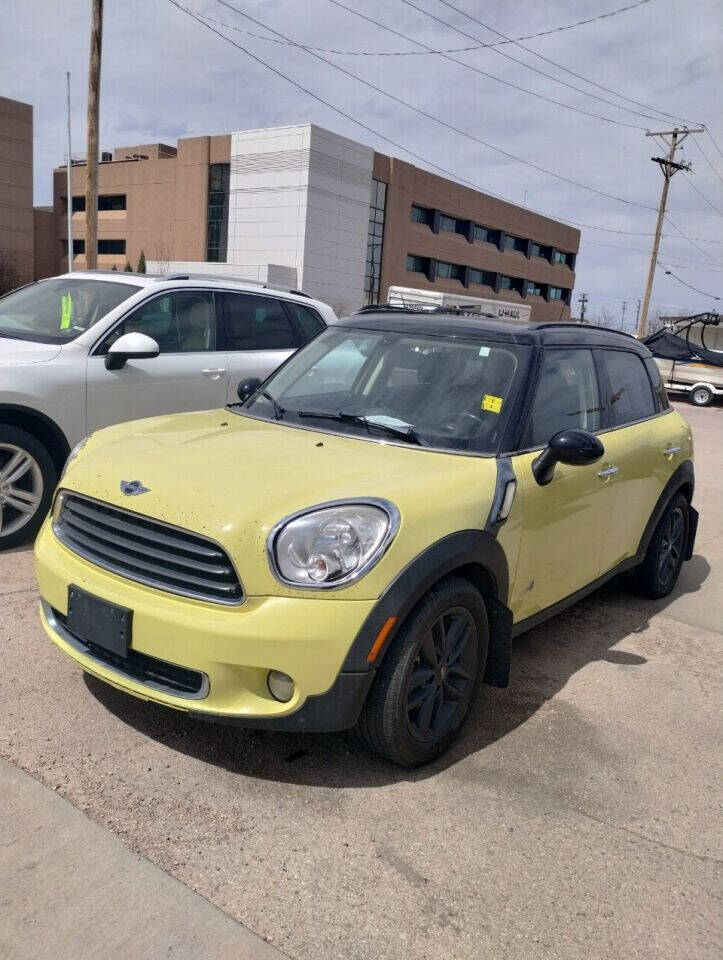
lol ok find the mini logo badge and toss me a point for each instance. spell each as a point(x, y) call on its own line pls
point(132, 488)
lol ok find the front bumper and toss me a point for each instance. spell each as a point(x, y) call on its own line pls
point(232, 648)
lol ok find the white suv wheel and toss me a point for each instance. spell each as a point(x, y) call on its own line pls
point(21, 488)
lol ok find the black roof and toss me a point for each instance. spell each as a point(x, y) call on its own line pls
point(468, 326)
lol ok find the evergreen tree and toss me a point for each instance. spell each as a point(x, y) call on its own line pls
point(141, 263)
point(128, 268)
point(114, 267)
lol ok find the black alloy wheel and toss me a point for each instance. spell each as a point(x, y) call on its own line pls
point(427, 682)
point(658, 573)
point(442, 674)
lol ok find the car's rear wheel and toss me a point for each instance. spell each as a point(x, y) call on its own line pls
point(701, 396)
point(427, 682)
point(27, 481)
point(659, 571)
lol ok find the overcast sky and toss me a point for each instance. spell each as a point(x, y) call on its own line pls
point(166, 76)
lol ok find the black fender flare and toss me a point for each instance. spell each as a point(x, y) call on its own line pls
point(477, 551)
point(683, 476)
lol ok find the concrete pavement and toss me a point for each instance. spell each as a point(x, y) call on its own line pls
point(576, 817)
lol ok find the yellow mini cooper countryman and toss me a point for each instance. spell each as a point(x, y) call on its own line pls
point(357, 541)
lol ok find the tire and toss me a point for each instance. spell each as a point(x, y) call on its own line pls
point(27, 481)
point(659, 571)
point(398, 721)
point(701, 397)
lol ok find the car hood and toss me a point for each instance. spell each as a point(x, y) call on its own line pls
point(14, 351)
point(232, 478)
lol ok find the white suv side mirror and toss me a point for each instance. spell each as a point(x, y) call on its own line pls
point(131, 346)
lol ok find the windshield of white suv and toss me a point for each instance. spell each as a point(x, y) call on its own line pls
point(443, 392)
point(59, 310)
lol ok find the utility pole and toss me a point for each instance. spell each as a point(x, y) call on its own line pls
point(637, 315)
point(668, 167)
point(91, 176)
point(69, 184)
point(583, 298)
point(622, 319)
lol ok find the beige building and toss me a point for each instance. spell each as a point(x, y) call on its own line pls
point(329, 214)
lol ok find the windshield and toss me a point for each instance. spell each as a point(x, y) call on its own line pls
point(442, 392)
point(59, 310)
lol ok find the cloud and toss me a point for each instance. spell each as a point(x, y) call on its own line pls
point(165, 76)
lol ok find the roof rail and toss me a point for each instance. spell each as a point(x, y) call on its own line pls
point(458, 310)
point(225, 278)
point(585, 326)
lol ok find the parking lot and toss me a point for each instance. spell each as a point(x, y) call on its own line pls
point(576, 816)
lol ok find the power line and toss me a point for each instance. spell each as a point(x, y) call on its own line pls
point(708, 160)
point(692, 241)
point(417, 53)
point(713, 142)
point(483, 73)
point(553, 63)
point(687, 263)
point(399, 146)
point(702, 195)
point(690, 286)
point(439, 120)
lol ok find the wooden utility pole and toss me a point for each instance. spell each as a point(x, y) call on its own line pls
point(583, 304)
point(91, 175)
point(668, 167)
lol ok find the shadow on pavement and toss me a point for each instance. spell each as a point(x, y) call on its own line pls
point(543, 660)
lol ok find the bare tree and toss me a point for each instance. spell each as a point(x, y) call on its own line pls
point(9, 272)
point(655, 321)
point(162, 257)
point(606, 318)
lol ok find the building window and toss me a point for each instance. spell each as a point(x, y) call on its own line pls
point(78, 247)
point(417, 264)
point(515, 243)
point(486, 235)
point(450, 271)
point(559, 256)
point(537, 250)
point(483, 278)
point(511, 283)
point(555, 293)
point(422, 214)
point(219, 177)
point(78, 204)
point(112, 247)
point(375, 241)
point(111, 201)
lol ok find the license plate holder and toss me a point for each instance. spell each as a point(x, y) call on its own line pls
point(97, 621)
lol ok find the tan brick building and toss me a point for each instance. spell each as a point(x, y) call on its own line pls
point(16, 193)
point(335, 217)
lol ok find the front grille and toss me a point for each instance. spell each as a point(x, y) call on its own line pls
point(142, 667)
point(147, 551)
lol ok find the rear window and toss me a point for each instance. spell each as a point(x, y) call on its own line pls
point(631, 394)
point(308, 320)
point(657, 381)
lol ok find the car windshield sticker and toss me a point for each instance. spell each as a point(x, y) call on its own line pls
point(491, 403)
point(66, 311)
point(484, 351)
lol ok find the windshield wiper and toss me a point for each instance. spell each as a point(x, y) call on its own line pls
point(407, 434)
point(279, 411)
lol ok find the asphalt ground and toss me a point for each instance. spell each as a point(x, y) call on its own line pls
point(578, 815)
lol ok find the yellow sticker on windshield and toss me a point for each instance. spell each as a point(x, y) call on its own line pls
point(491, 403)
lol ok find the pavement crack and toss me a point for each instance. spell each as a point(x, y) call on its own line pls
point(702, 857)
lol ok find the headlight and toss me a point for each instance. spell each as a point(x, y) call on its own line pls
point(73, 454)
point(332, 544)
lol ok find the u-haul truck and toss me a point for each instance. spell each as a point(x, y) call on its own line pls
point(499, 309)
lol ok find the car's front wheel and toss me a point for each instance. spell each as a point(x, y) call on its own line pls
point(428, 680)
point(27, 481)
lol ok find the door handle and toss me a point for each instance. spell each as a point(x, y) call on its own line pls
point(213, 373)
point(608, 472)
point(670, 452)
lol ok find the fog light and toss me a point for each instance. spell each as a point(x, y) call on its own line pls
point(281, 686)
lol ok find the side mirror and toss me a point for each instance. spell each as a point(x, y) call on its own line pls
point(131, 346)
point(247, 387)
point(576, 447)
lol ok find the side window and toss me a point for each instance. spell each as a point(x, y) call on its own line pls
point(256, 323)
point(657, 381)
point(309, 321)
point(567, 396)
point(179, 322)
point(631, 396)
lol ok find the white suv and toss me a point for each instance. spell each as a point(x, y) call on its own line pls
point(84, 350)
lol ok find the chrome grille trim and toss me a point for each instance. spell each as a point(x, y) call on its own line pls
point(147, 551)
